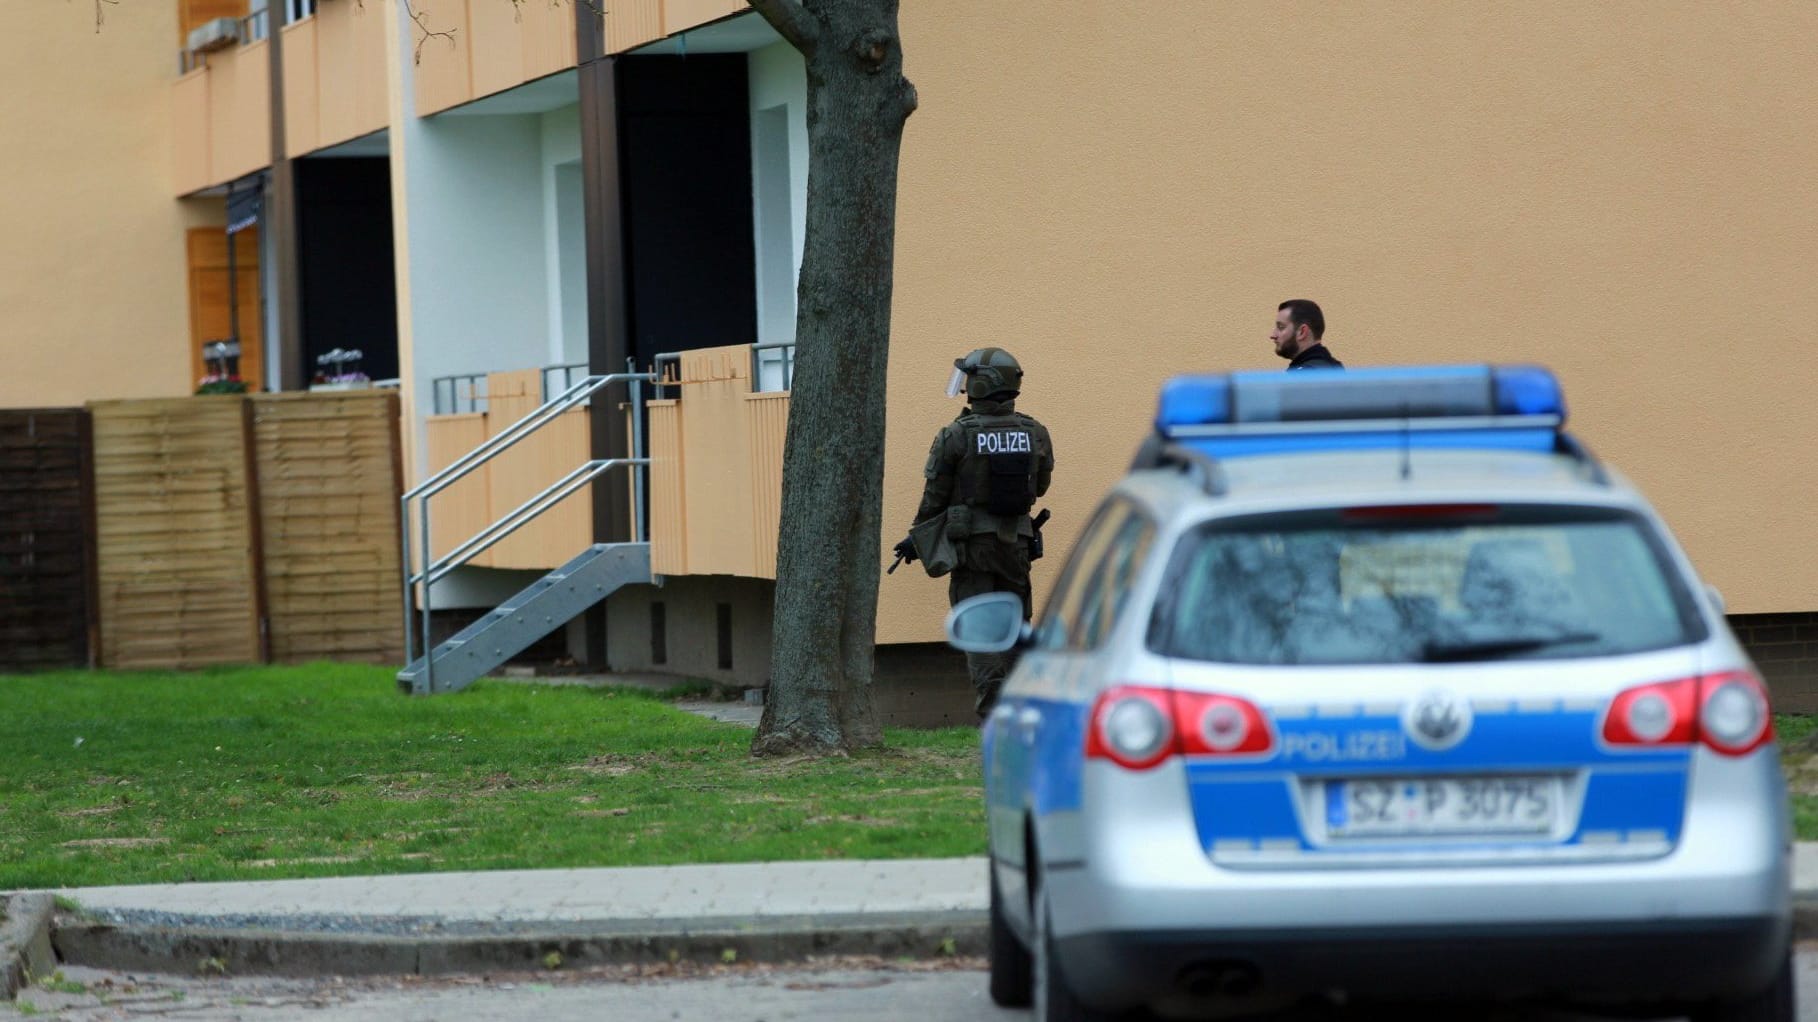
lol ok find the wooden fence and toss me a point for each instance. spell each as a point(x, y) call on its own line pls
point(47, 559)
point(175, 533)
point(247, 529)
point(329, 480)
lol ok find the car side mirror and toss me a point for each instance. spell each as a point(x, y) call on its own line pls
point(1715, 596)
point(987, 623)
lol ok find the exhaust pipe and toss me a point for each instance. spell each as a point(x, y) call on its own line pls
point(1220, 978)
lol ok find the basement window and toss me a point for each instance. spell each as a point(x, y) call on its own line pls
point(725, 636)
point(659, 634)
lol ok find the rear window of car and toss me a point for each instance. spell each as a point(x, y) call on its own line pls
point(1394, 585)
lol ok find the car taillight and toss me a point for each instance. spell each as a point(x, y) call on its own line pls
point(1661, 713)
point(1727, 712)
point(1137, 727)
point(1132, 727)
point(1219, 725)
point(1733, 715)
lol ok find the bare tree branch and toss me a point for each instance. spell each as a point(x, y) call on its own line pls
point(98, 18)
point(422, 24)
point(791, 21)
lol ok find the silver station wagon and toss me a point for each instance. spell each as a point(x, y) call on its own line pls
point(1375, 685)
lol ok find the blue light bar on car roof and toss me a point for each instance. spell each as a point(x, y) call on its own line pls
point(1461, 407)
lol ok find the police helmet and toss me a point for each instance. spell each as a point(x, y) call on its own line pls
point(990, 371)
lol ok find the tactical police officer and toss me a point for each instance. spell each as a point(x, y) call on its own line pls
point(985, 471)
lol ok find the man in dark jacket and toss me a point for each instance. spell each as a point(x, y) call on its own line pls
point(1299, 325)
point(985, 471)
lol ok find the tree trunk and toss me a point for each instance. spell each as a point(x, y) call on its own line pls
point(833, 460)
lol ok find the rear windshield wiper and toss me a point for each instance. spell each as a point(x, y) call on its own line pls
point(1496, 649)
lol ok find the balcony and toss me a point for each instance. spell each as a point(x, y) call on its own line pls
point(336, 85)
point(490, 47)
point(511, 478)
point(221, 116)
point(633, 23)
point(335, 89)
point(716, 471)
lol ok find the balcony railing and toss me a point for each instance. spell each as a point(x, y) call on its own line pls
point(460, 394)
point(250, 29)
point(772, 368)
point(559, 378)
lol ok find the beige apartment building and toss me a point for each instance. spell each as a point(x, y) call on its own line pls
point(490, 199)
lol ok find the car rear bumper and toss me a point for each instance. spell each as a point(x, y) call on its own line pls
point(1137, 864)
point(1708, 918)
point(1671, 962)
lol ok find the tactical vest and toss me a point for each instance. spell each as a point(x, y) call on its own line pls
point(998, 471)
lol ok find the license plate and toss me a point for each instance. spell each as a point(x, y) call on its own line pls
point(1398, 807)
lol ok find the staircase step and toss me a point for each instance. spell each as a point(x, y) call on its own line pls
point(528, 615)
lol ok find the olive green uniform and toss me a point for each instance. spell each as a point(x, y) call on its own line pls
point(985, 469)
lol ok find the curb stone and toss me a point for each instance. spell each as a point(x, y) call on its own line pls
point(1805, 915)
point(27, 938)
point(290, 953)
point(25, 942)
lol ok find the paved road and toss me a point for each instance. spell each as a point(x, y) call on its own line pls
point(847, 991)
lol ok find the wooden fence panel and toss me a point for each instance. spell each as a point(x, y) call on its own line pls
point(177, 541)
point(329, 477)
point(47, 609)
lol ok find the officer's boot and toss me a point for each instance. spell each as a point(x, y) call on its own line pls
point(988, 671)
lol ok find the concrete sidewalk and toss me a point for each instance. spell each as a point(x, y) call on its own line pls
point(464, 922)
point(455, 922)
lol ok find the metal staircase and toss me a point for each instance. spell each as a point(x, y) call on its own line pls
point(543, 606)
point(551, 601)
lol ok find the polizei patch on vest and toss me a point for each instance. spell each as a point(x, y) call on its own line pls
point(1005, 442)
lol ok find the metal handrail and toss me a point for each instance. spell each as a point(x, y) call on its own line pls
point(521, 515)
point(516, 431)
point(433, 570)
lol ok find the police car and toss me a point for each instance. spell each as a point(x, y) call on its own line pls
point(1376, 685)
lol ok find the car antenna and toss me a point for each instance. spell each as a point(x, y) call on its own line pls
point(1407, 468)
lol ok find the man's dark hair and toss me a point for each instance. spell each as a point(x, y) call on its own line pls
point(1302, 312)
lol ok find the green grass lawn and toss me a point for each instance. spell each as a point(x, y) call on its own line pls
point(321, 770)
point(1798, 739)
point(261, 773)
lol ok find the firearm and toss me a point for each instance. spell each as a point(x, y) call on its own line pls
point(1035, 544)
point(905, 551)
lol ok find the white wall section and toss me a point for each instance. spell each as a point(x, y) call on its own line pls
point(565, 235)
point(779, 184)
point(497, 255)
point(477, 268)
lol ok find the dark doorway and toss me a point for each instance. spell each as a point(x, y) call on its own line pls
point(685, 151)
point(350, 296)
